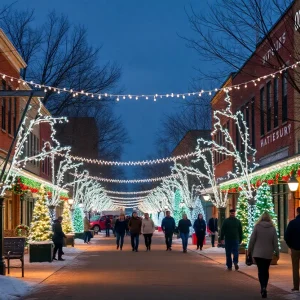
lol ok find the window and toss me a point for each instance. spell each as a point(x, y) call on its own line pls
point(237, 137)
point(280, 199)
point(253, 122)
point(228, 129)
point(262, 113)
point(269, 107)
point(9, 116)
point(275, 90)
point(15, 116)
point(284, 97)
point(3, 107)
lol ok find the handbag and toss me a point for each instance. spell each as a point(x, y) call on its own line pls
point(249, 260)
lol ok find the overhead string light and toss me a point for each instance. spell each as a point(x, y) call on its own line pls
point(129, 193)
point(128, 181)
point(130, 198)
point(133, 163)
point(153, 97)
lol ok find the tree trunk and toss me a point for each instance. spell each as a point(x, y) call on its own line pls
point(221, 218)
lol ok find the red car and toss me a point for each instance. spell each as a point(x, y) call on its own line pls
point(97, 222)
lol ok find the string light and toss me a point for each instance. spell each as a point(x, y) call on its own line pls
point(127, 181)
point(123, 198)
point(133, 163)
point(129, 193)
point(145, 96)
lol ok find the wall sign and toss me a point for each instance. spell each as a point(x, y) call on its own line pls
point(277, 44)
point(276, 135)
point(297, 20)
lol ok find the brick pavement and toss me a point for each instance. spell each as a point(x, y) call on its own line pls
point(101, 271)
point(280, 274)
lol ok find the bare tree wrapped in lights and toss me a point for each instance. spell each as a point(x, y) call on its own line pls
point(244, 158)
point(20, 158)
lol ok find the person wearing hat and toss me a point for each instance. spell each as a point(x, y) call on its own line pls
point(58, 238)
point(232, 232)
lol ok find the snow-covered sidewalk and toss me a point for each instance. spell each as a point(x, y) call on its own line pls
point(13, 286)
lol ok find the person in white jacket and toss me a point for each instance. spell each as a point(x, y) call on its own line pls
point(147, 230)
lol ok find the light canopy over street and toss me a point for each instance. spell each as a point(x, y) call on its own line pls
point(156, 143)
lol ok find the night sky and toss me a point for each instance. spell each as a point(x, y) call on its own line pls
point(142, 37)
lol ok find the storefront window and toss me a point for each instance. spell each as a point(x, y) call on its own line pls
point(280, 200)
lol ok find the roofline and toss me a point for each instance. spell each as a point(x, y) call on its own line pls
point(264, 38)
point(232, 74)
point(12, 51)
point(186, 135)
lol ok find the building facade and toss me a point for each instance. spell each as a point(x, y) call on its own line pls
point(19, 200)
point(270, 106)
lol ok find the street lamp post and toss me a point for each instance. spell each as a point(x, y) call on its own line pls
point(2, 261)
point(293, 185)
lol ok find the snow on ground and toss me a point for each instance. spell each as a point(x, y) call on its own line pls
point(12, 288)
point(79, 242)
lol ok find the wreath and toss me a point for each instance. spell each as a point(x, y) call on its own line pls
point(22, 230)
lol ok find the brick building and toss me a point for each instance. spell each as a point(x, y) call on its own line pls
point(19, 201)
point(271, 111)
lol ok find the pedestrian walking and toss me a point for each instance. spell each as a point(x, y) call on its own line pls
point(107, 226)
point(113, 223)
point(168, 227)
point(232, 232)
point(184, 229)
point(58, 238)
point(120, 229)
point(263, 243)
point(134, 226)
point(292, 238)
point(87, 233)
point(200, 230)
point(213, 228)
point(147, 230)
point(127, 228)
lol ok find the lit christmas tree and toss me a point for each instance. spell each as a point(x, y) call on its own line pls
point(177, 209)
point(242, 215)
point(264, 203)
point(198, 209)
point(78, 220)
point(67, 225)
point(40, 227)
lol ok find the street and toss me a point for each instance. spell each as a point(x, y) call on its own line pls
point(102, 272)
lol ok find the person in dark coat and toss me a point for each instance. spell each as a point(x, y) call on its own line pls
point(184, 230)
point(58, 238)
point(168, 227)
point(135, 226)
point(107, 226)
point(200, 230)
point(213, 228)
point(120, 229)
point(292, 239)
point(232, 236)
point(127, 228)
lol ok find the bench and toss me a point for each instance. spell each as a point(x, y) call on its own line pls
point(14, 249)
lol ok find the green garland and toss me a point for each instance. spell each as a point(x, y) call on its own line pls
point(32, 184)
point(281, 174)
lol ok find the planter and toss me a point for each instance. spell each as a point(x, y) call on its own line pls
point(69, 240)
point(273, 262)
point(79, 235)
point(41, 251)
